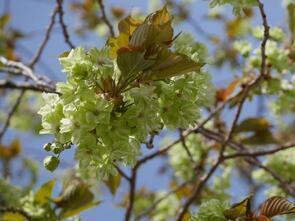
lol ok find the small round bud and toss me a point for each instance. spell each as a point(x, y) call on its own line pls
point(51, 163)
point(47, 147)
point(56, 148)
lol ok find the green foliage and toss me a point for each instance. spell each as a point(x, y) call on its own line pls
point(282, 163)
point(39, 206)
point(25, 118)
point(244, 47)
point(180, 161)
point(238, 6)
point(211, 210)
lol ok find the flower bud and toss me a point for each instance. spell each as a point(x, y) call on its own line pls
point(47, 147)
point(51, 163)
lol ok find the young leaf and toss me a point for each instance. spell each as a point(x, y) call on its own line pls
point(128, 25)
point(156, 29)
point(223, 94)
point(74, 198)
point(160, 17)
point(241, 209)
point(169, 64)
point(116, 43)
point(43, 195)
point(113, 182)
point(72, 212)
point(291, 14)
point(11, 151)
point(4, 19)
point(131, 63)
point(276, 206)
point(12, 216)
point(253, 125)
point(148, 34)
point(260, 138)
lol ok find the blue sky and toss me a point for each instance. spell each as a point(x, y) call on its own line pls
point(32, 16)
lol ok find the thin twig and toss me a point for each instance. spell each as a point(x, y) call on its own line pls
point(18, 68)
point(27, 86)
point(122, 173)
point(31, 65)
point(46, 38)
point(200, 185)
point(244, 95)
point(251, 159)
point(259, 153)
point(10, 114)
point(191, 158)
point(63, 25)
point(132, 189)
point(265, 38)
point(165, 196)
point(105, 18)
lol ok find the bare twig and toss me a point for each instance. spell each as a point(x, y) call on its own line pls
point(244, 95)
point(18, 68)
point(63, 25)
point(31, 65)
point(191, 158)
point(200, 185)
point(46, 38)
point(259, 153)
point(122, 173)
point(27, 86)
point(105, 18)
point(165, 196)
point(251, 159)
point(265, 38)
point(132, 189)
point(10, 114)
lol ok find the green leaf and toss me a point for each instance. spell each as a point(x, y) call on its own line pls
point(72, 212)
point(128, 25)
point(253, 125)
point(4, 19)
point(291, 15)
point(116, 43)
point(64, 54)
point(260, 138)
point(240, 209)
point(74, 198)
point(44, 193)
point(113, 182)
point(210, 211)
point(12, 216)
point(169, 64)
point(131, 63)
point(156, 29)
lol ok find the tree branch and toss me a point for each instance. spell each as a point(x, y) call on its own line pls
point(265, 38)
point(6, 84)
point(105, 18)
point(32, 64)
point(63, 25)
point(220, 160)
point(46, 38)
point(259, 153)
point(132, 190)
